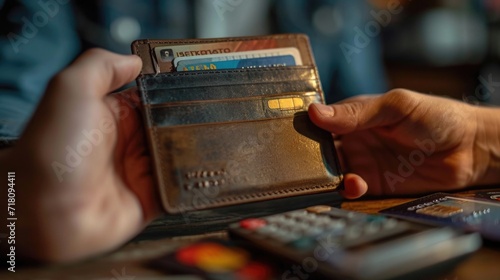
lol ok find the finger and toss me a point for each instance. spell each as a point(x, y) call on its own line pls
point(340, 155)
point(354, 186)
point(98, 72)
point(364, 112)
point(131, 154)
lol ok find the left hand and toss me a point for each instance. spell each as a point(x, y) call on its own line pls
point(83, 174)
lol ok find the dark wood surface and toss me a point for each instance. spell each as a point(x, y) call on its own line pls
point(130, 261)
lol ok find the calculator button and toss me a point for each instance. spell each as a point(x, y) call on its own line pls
point(276, 219)
point(300, 226)
point(290, 223)
point(318, 209)
point(313, 217)
point(354, 216)
point(336, 225)
point(269, 230)
point(273, 228)
point(390, 224)
point(375, 218)
point(297, 214)
point(319, 221)
point(372, 228)
point(303, 243)
point(352, 233)
point(311, 231)
point(285, 236)
point(253, 224)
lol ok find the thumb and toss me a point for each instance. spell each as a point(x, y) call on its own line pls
point(98, 72)
point(363, 112)
point(74, 101)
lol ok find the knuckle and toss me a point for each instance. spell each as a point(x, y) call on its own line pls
point(353, 112)
point(400, 95)
point(399, 100)
point(353, 109)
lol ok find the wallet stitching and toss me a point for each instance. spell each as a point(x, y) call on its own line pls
point(245, 197)
point(196, 41)
point(270, 69)
point(295, 88)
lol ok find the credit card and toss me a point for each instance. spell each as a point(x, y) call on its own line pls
point(263, 62)
point(494, 195)
point(165, 54)
point(217, 259)
point(467, 213)
point(241, 55)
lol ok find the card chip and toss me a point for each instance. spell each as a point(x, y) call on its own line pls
point(441, 211)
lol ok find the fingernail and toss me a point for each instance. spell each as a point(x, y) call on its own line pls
point(325, 110)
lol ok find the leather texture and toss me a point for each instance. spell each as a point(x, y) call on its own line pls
point(226, 137)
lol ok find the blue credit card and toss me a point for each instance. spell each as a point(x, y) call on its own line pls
point(467, 213)
point(261, 62)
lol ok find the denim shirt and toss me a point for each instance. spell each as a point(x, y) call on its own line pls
point(39, 38)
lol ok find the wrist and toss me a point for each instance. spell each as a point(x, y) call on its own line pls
point(487, 146)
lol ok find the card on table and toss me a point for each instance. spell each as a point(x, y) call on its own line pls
point(215, 259)
point(468, 213)
point(493, 195)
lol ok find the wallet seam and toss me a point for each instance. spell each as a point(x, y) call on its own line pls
point(155, 141)
point(320, 187)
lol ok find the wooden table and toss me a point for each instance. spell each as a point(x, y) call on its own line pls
point(130, 261)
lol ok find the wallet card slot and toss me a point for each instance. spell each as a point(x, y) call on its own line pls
point(160, 96)
point(193, 79)
point(231, 110)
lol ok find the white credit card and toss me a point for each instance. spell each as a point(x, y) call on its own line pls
point(242, 55)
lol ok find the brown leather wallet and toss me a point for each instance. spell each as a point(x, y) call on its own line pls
point(232, 136)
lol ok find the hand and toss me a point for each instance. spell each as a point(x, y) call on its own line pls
point(403, 142)
point(83, 177)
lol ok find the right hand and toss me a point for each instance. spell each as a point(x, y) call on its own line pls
point(404, 142)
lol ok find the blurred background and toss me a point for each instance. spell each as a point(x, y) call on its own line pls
point(442, 47)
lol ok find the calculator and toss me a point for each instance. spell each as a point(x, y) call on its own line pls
point(334, 243)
